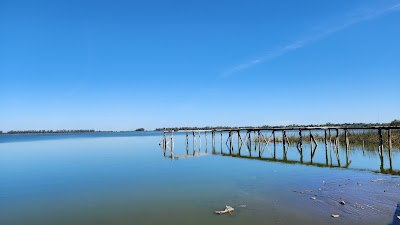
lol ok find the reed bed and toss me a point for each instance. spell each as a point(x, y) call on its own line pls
point(368, 138)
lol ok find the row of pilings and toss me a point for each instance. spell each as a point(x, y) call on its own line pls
point(257, 138)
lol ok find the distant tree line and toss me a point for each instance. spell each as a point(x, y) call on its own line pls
point(393, 123)
point(45, 131)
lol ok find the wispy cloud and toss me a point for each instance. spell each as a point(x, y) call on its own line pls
point(355, 18)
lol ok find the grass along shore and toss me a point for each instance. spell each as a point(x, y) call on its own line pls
point(368, 138)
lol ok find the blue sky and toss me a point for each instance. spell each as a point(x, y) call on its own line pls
point(121, 65)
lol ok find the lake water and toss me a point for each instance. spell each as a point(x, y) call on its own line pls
point(126, 178)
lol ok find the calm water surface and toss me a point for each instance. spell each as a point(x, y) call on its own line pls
point(124, 178)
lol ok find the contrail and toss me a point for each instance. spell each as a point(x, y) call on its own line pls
point(303, 42)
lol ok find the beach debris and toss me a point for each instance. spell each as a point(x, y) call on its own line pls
point(313, 198)
point(308, 190)
point(319, 189)
point(398, 217)
point(342, 202)
point(228, 209)
point(376, 180)
point(335, 215)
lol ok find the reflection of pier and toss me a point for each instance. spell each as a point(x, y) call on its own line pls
point(258, 140)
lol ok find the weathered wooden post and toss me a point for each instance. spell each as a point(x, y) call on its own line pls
point(255, 144)
point(250, 141)
point(239, 143)
point(330, 137)
point(231, 141)
point(187, 143)
point(381, 147)
point(172, 141)
point(326, 150)
point(300, 143)
point(390, 148)
point(311, 146)
point(198, 131)
point(194, 142)
point(337, 139)
point(205, 134)
point(380, 141)
point(259, 143)
point(249, 131)
point(389, 139)
point(284, 144)
point(221, 141)
point(213, 141)
point(346, 137)
point(165, 139)
point(337, 146)
point(187, 138)
point(273, 135)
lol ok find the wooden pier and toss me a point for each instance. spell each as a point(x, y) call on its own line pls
point(258, 139)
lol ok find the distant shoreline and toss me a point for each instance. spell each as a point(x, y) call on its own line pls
point(65, 132)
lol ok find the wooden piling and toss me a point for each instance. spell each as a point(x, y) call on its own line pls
point(390, 148)
point(259, 144)
point(389, 139)
point(187, 138)
point(380, 141)
point(194, 142)
point(273, 135)
point(311, 146)
point(346, 137)
point(337, 146)
point(205, 134)
point(250, 141)
point(221, 141)
point(381, 147)
point(165, 139)
point(284, 144)
point(330, 137)
point(300, 141)
point(198, 131)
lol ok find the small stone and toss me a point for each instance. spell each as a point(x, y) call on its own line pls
point(335, 215)
point(313, 198)
point(319, 189)
point(342, 202)
point(398, 217)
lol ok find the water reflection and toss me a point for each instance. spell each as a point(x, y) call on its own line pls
point(264, 147)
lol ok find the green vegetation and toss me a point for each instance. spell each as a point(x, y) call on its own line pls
point(47, 131)
point(348, 125)
point(140, 129)
point(395, 123)
point(367, 138)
